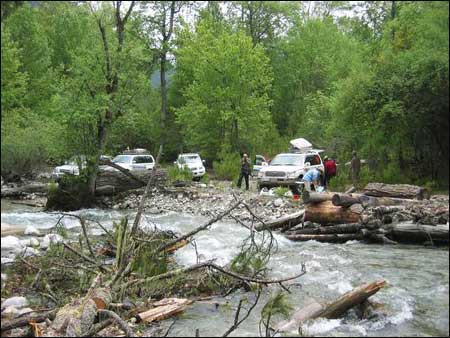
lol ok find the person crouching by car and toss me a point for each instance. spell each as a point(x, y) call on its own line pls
point(312, 179)
point(330, 170)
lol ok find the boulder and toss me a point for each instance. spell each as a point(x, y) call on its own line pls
point(50, 239)
point(17, 302)
point(11, 243)
point(31, 231)
point(278, 202)
point(6, 261)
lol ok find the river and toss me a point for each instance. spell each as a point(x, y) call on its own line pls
point(415, 300)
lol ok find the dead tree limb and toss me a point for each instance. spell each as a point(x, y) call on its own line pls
point(200, 228)
point(119, 321)
point(238, 321)
point(98, 327)
point(122, 170)
point(26, 319)
point(137, 219)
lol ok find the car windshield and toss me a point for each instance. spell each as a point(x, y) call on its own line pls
point(122, 159)
point(287, 159)
point(190, 159)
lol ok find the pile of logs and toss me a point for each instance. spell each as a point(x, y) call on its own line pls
point(398, 213)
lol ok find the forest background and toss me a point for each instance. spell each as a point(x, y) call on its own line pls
point(222, 78)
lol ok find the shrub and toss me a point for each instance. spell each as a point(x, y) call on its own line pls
point(280, 191)
point(176, 174)
point(228, 167)
point(205, 178)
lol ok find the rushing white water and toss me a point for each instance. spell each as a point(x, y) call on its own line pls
point(414, 302)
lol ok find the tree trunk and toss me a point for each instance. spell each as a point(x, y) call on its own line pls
point(288, 220)
point(334, 229)
point(344, 303)
point(332, 310)
point(408, 232)
point(327, 213)
point(396, 190)
point(331, 238)
point(344, 200)
point(163, 96)
point(112, 181)
point(77, 317)
point(310, 197)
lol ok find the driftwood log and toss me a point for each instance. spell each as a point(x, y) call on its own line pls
point(326, 230)
point(163, 309)
point(347, 200)
point(327, 213)
point(327, 238)
point(36, 188)
point(408, 232)
point(77, 317)
point(334, 309)
point(396, 190)
point(114, 181)
point(285, 221)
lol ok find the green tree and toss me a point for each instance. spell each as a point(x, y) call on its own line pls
point(227, 102)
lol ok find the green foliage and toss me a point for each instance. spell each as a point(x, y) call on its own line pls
point(245, 80)
point(228, 167)
point(227, 82)
point(205, 178)
point(280, 191)
point(276, 305)
point(176, 174)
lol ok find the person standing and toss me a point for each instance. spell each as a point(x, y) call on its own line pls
point(245, 171)
point(330, 170)
point(355, 167)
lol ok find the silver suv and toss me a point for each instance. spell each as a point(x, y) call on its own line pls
point(288, 168)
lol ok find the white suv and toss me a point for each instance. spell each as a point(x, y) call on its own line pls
point(135, 162)
point(288, 168)
point(193, 162)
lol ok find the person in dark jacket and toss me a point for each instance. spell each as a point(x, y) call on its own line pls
point(355, 168)
point(330, 169)
point(245, 171)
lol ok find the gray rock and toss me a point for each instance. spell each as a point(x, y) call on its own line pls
point(28, 252)
point(11, 311)
point(6, 260)
point(11, 243)
point(278, 202)
point(23, 311)
point(17, 302)
point(31, 231)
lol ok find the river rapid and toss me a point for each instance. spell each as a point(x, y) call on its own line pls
point(415, 301)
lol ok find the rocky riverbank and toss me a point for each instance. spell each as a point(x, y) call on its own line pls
point(208, 199)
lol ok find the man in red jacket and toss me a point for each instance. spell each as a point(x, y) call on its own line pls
point(330, 169)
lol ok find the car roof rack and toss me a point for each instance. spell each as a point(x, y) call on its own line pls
point(137, 151)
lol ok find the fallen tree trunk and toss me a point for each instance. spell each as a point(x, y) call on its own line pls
point(348, 300)
point(33, 188)
point(77, 317)
point(26, 319)
point(396, 190)
point(334, 309)
point(327, 213)
point(347, 200)
point(114, 181)
point(334, 229)
point(311, 197)
point(408, 232)
point(285, 221)
point(330, 238)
